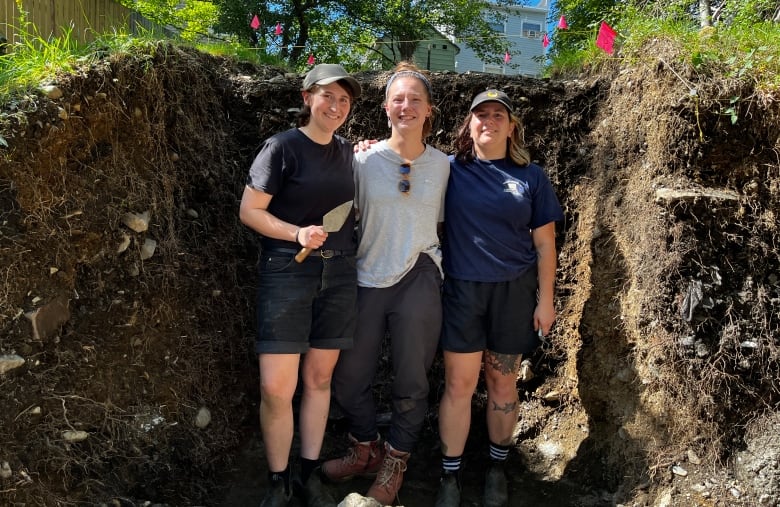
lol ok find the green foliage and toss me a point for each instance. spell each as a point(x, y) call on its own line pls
point(745, 49)
point(193, 19)
point(749, 12)
point(347, 30)
point(34, 59)
point(583, 18)
point(240, 52)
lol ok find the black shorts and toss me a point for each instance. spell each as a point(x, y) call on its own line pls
point(495, 316)
point(308, 304)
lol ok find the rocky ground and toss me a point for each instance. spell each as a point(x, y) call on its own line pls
point(126, 310)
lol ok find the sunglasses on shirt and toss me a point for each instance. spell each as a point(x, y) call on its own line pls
point(405, 185)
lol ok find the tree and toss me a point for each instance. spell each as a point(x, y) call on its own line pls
point(344, 30)
point(403, 24)
point(191, 18)
point(348, 30)
point(705, 13)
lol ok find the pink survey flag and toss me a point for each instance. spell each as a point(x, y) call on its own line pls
point(545, 41)
point(255, 24)
point(507, 57)
point(606, 37)
point(278, 29)
point(310, 61)
point(562, 25)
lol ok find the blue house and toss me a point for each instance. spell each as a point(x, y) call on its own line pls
point(523, 30)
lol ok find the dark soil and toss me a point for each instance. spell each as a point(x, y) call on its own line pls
point(666, 351)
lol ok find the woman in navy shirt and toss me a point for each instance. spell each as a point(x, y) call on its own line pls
point(499, 263)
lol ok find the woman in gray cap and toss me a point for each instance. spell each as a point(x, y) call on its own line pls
point(306, 304)
point(499, 261)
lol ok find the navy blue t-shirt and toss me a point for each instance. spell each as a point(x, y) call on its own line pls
point(490, 209)
point(306, 179)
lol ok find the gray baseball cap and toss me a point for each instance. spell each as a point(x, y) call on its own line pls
point(327, 73)
point(492, 96)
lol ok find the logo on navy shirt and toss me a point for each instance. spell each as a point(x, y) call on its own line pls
point(515, 187)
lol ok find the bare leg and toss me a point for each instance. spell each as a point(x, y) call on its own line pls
point(278, 379)
point(461, 372)
point(318, 365)
point(503, 403)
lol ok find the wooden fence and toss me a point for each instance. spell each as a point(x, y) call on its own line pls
point(85, 19)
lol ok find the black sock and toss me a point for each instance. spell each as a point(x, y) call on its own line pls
point(307, 467)
point(283, 476)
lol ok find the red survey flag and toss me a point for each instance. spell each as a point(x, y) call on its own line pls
point(255, 24)
point(507, 57)
point(562, 25)
point(310, 61)
point(545, 41)
point(606, 37)
point(278, 30)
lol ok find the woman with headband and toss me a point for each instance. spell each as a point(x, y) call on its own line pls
point(399, 195)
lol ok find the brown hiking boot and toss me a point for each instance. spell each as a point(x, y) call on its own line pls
point(390, 477)
point(363, 459)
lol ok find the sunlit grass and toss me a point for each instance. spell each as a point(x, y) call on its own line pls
point(740, 51)
point(34, 60)
point(240, 52)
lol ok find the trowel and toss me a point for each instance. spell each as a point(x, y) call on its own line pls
point(332, 221)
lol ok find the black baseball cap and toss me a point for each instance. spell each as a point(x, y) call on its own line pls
point(327, 73)
point(492, 96)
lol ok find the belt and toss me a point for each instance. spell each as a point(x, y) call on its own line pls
point(325, 254)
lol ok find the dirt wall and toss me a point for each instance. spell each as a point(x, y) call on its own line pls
point(128, 280)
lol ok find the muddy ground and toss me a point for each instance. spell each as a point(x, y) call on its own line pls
point(126, 309)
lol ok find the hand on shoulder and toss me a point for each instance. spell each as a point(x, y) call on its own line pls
point(364, 144)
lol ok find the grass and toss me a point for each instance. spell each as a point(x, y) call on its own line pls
point(241, 53)
point(745, 51)
point(34, 60)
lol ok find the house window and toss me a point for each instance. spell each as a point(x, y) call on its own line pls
point(444, 46)
point(532, 30)
point(497, 27)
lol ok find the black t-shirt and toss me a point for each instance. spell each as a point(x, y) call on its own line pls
point(306, 180)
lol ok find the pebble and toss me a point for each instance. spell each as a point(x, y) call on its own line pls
point(148, 248)
point(137, 222)
point(693, 457)
point(9, 362)
point(203, 418)
point(678, 470)
point(124, 244)
point(74, 436)
point(51, 91)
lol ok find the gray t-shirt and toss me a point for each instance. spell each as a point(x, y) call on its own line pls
point(396, 227)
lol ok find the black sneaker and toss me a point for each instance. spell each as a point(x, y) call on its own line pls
point(496, 491)
point(449, 491)
point(315, 494)
point(276, 496)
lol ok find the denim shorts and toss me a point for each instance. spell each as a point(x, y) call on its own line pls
point(308, 304)
point(495, 316)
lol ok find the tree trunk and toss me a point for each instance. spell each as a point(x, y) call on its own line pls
point(705, 13)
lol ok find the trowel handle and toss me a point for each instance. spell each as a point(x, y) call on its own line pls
point(301, 256)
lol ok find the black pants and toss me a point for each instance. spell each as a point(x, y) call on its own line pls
point(411, 311)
